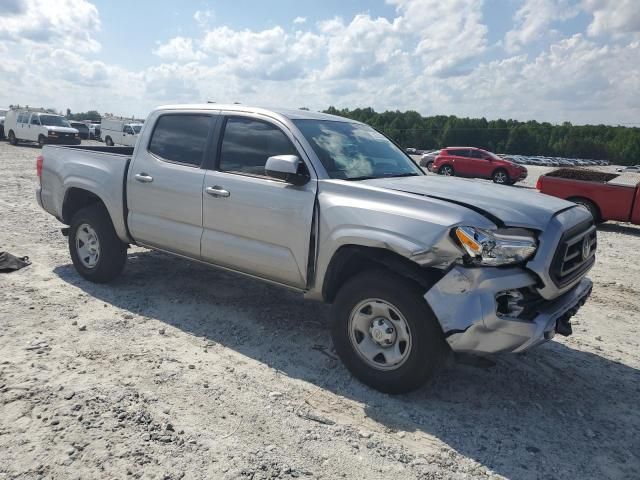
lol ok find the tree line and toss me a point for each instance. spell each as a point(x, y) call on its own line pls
point(410, 129)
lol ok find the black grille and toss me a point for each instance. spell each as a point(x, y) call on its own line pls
point(575, 255)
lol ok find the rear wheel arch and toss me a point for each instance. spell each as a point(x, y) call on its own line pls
point(590, 205)
point(350, 260)
point(75, 200)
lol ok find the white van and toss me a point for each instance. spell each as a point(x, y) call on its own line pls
point(25, 125)
point(116, 131)
point(3, 113)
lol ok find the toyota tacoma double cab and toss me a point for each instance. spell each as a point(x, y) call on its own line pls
point(413, 265)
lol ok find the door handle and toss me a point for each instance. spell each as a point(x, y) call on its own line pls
point(144, 178)
point(217, 191)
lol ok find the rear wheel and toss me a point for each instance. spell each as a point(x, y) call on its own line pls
point(385, 333)
point(12, 138)
point(96, 251)
point(42, 141)
point(501, 177)
point(109, 142)
point(446, 170)
point(589, 205)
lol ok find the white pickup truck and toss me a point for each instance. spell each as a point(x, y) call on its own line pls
point(414, 265)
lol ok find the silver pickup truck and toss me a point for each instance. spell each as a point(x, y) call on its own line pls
point(413, 265)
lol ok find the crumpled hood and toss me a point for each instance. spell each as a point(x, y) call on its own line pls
point(513, 206)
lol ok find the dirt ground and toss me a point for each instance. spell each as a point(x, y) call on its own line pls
point(179, 371)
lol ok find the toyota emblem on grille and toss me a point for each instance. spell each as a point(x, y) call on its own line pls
point(586, 248)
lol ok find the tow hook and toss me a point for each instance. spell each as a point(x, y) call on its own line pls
point(65, 231)
point(563, 326)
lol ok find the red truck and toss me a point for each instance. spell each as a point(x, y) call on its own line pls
point(608, 196)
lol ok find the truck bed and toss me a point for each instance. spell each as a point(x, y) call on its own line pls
point(102, 170)
point(615, 195)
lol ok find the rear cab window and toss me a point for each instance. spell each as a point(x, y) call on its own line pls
point(181, 138)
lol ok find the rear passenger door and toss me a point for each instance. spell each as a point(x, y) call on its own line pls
point(253, 223)
point(165, 182)
point(461, 162)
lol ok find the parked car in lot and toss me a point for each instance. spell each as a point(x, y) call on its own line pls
point(428, 158)
point(632, 168)
point(607, 196)
point(94, 131)
point(413, 265)
point(117, 131)
point(477, 163)
point(83, 129)
point(3, 113)
point(24, 125)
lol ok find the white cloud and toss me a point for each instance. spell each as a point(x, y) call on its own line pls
point(449, 34)
point(613, 17)
point(178, 49)
point(63, 22)
point(364, 48)
point(204, 17)
point(299, 20)
point(534, 19)
point(266, 54)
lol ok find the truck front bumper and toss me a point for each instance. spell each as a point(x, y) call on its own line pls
point(465, 301)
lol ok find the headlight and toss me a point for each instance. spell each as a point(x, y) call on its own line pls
point(496, 247)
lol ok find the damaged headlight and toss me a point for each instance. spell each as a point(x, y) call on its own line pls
point(496, 247)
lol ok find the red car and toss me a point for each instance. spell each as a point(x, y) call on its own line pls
point(477, 163)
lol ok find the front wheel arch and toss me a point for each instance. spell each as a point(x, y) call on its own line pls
point(442, 169)
point(498, 170)
point(350, 260)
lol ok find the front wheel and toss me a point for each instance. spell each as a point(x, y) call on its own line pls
point(501, 177)
point(446, 170)
point(96, 251)
point(42, 141)
point(385, 333)
point(109, 142)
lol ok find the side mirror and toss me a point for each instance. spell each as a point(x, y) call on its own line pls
point(287, 168)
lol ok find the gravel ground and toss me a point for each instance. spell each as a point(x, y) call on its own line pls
point(179, 371)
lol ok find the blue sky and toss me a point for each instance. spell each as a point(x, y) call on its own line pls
point(550, 60)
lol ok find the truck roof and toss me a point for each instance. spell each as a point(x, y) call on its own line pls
point(291, 114)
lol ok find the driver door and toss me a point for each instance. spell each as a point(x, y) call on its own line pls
point(251, 222)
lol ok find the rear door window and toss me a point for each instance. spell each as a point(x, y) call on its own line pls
point(247, 143)
point(181, 138)
point(459, 153)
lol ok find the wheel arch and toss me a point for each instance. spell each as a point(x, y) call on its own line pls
point(352, 259)
point(579, 199)
point(76, 199)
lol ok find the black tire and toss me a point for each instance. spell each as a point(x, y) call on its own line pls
point(501, 177)
point(429, 165)
point(12, 138)
point(42, 141)
point(592, 207)
point(428, 345)
point(447, 170)
point(113, 252)
point(108, 141)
